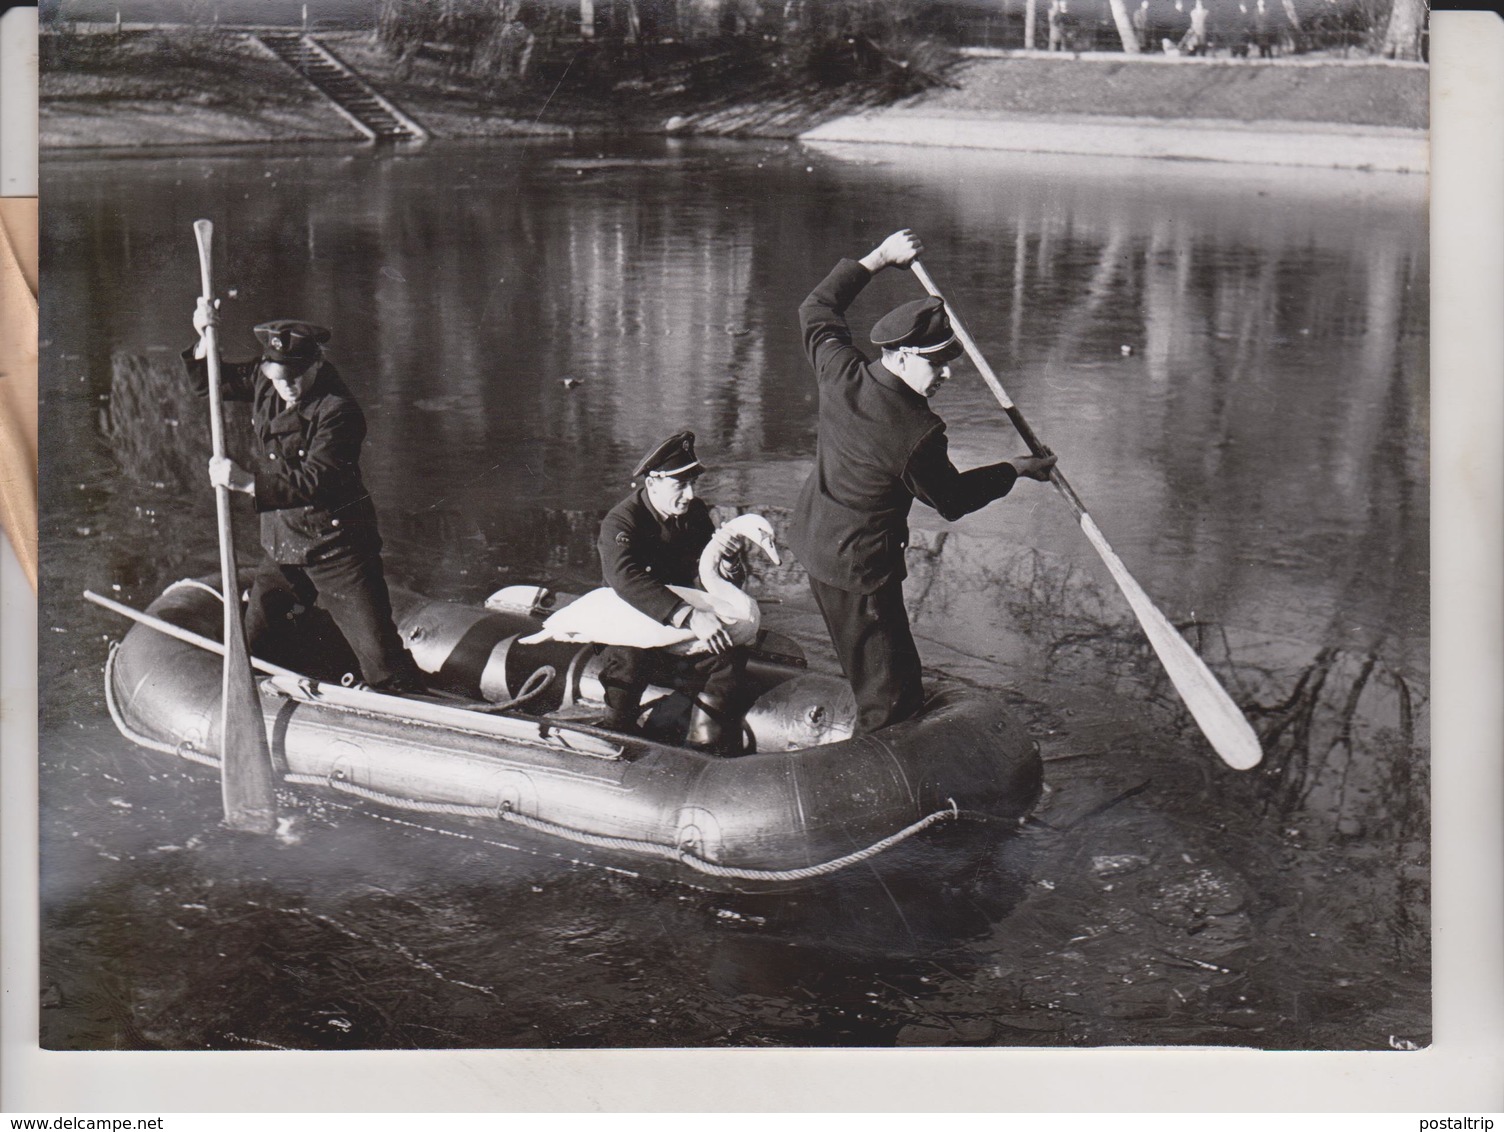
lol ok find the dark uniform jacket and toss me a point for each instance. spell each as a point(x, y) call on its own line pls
point(306, 460)
point(642, 554)
point(879, 448)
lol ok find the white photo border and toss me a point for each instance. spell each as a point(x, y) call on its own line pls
point(1463, 1071)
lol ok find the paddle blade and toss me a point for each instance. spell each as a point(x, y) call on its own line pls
point(249, 792)
point(1224, 726)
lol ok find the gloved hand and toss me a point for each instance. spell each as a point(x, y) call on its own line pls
point(205, 315)
point(224, 472)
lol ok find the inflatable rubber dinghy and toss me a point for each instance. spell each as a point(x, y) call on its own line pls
point(506, 738)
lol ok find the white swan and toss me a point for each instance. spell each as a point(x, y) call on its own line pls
point(602, 617)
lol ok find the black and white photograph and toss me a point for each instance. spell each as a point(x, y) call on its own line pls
point(726, 524)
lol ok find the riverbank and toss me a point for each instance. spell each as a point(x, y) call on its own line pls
point(142, 88)
point(148, 87)
point(1306, 145)
point(1305, 113)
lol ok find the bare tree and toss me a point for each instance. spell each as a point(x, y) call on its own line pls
point(1125, 26)
point(1407, 19)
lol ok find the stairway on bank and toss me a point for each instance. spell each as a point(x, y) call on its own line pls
point(368, 111)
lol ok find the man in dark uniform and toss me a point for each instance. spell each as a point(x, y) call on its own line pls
point(1263, 31)
point(318, 526)
point(879, 448)
point(649, 541)
point(1056, 17)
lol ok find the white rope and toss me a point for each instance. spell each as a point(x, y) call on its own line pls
point(629, 844)
point(712, 869)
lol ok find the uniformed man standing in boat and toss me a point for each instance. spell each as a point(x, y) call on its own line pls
point(318, 525)
point(649, 541)
point(879, 447)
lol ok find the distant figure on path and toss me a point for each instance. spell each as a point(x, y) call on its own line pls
point(1056, 17)
point(1263, 34)
point(318, 526)
point(1070, 27)
point(1194, 42)
point(879, 447)
point(1243, 34)
point(1141, 25)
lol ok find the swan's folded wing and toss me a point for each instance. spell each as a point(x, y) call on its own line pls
point(601, 616)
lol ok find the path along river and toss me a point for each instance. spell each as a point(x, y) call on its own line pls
point(1230, 362)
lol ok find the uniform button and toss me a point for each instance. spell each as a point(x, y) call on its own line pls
point(301, 452)
point(334, 522)
point(271, 455)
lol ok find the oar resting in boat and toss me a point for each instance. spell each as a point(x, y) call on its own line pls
point(603, 617)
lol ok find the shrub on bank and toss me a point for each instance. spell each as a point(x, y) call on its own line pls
point(684, 45)
point(494, 41)
point(837, 42)
point(63, 46)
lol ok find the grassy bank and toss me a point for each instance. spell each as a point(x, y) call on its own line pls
point(180, 86)
point(1376, 94)
point(160, 88)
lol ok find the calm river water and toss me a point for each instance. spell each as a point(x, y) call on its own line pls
point(1230, 362)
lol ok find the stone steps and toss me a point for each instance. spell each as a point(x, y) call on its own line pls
point(366, 109)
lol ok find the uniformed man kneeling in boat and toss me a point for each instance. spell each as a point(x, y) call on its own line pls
point(318, 526)
point(649, 541)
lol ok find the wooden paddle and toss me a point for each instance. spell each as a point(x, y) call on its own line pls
point(188, 636)
point(1224, 726)
point(246, 779)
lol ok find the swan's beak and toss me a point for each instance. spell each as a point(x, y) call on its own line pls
point(765, 541)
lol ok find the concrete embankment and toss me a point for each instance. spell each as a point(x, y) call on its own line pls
point(1307, 114)
point(1301, 144)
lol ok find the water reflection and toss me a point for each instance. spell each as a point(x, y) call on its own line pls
point(1256, 454)
point(1272, 387)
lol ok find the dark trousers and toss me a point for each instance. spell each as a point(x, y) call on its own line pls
point(626, 673)
point(353, 590)
point(871, 636)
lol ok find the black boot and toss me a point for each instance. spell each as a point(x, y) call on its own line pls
point(408, 683)
point(713, 728)
point(623, 706)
